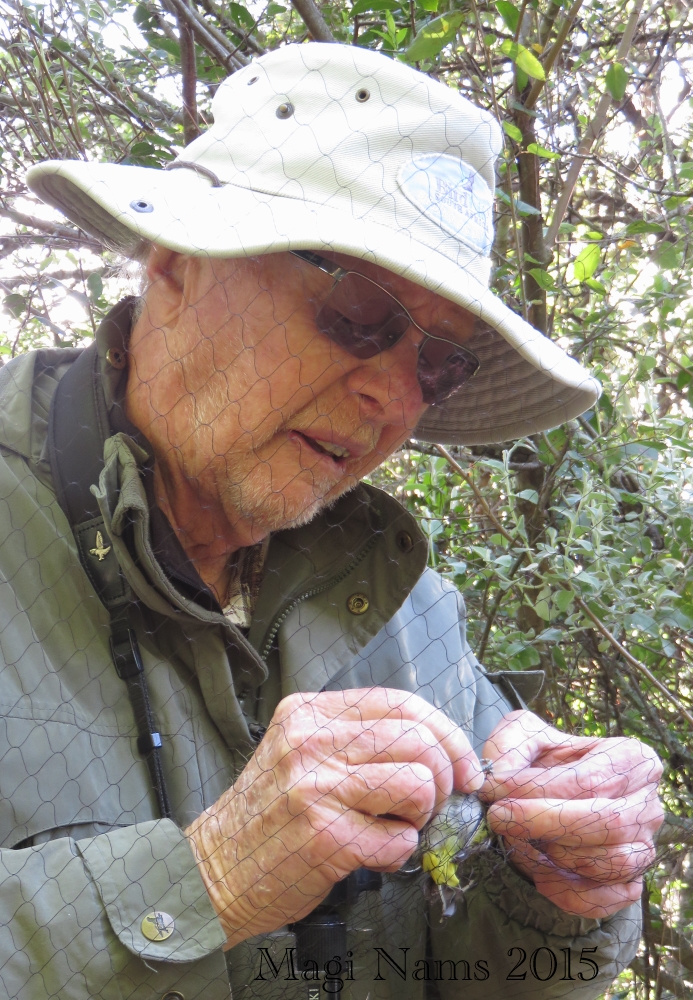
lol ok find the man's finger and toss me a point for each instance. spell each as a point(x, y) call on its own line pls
point(612, 769)
point(606, 864)
point(532, 759)
point(518, 739)
point(406, 791)
point(390, 740)
point(369, 704)
point(580, 822)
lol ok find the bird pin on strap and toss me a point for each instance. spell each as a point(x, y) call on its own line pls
point(100, 550)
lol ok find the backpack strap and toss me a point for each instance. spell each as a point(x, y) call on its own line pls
point(77, 430)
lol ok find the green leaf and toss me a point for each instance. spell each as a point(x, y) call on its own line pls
point(686, 171)
point(682, 380)
point(646, 366)
point(643, 622)
point(548, 154)
point(675, 201)
point(525, 660)
point(95, 286)
point(15, 304)
point(596, 286)
point(543, 278)
point(60, 44)
point(642, 227)
point(616, 81)
point(361, 6)
point(165, 44)
point(241, 14)
point(558, 658)
point(586, 262)
point(433, 37)
point(563, 599)
point(275, 8)
point(142, 15)
point(523, 59)
point(542, 609)
point(530, 495)
point(428, 4)
point(550, 635)
point(667, 256)
point(143, 149)
point(509, 13)
point(513, 131)
point(525, 209)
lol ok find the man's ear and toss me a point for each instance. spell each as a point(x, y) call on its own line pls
point(166, 279)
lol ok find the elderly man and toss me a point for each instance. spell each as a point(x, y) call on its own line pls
point(230, 684)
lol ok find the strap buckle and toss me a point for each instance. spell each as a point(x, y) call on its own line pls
point(148, 742)
point(126, 654)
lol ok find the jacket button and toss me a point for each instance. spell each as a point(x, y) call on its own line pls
point(157, 925)
point(358, 604)
point(405, 542)
point(116, 358)
point(173, 995)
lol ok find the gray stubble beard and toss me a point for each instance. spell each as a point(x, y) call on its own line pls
point(269, 512)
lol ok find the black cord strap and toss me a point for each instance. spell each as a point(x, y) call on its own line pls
point(128, 663)
point(77, 430)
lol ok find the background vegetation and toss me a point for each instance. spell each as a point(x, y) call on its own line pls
point(575, 548)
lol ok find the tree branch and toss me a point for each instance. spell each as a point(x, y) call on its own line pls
point(553, 53)
point(672, 983)
point(208, 35)
point(313, 20)
point(188, 69)
point(591, 133)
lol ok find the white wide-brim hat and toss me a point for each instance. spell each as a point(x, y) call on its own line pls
point(335, 148)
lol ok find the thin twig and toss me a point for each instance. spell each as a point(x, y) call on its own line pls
point(491, 616)
point(476, 491)
point(610, 637)
point(591, 133)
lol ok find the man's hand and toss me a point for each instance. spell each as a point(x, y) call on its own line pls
point(578, 815)
point(342, 780)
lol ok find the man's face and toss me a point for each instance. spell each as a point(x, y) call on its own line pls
point(250, 405)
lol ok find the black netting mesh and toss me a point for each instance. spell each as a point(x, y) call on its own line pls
point(243, 737)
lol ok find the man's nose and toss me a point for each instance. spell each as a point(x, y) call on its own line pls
point(388, 384)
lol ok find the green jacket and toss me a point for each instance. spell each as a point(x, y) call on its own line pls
point(84, 857)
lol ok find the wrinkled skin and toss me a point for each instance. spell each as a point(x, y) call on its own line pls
point(231, 381)
point(342, 780)
point(577, 814)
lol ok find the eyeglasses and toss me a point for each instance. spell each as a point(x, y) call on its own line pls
point(362, 317)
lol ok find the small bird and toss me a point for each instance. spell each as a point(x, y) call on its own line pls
point(450, 836)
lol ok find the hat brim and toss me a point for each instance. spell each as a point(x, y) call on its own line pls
point(525, 384)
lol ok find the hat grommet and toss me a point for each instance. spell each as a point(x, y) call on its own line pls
point(285, 110)
point(362, 95)
point(140, 205)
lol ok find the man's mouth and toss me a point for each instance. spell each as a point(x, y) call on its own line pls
point(335, 451)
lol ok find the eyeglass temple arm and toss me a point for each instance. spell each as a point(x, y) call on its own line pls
point(328, 266)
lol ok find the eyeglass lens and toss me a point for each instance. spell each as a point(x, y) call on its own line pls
point(364, 319)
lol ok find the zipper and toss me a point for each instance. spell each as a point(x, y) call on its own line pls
point(315, 591)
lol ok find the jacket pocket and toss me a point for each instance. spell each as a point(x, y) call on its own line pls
point(56, 775)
